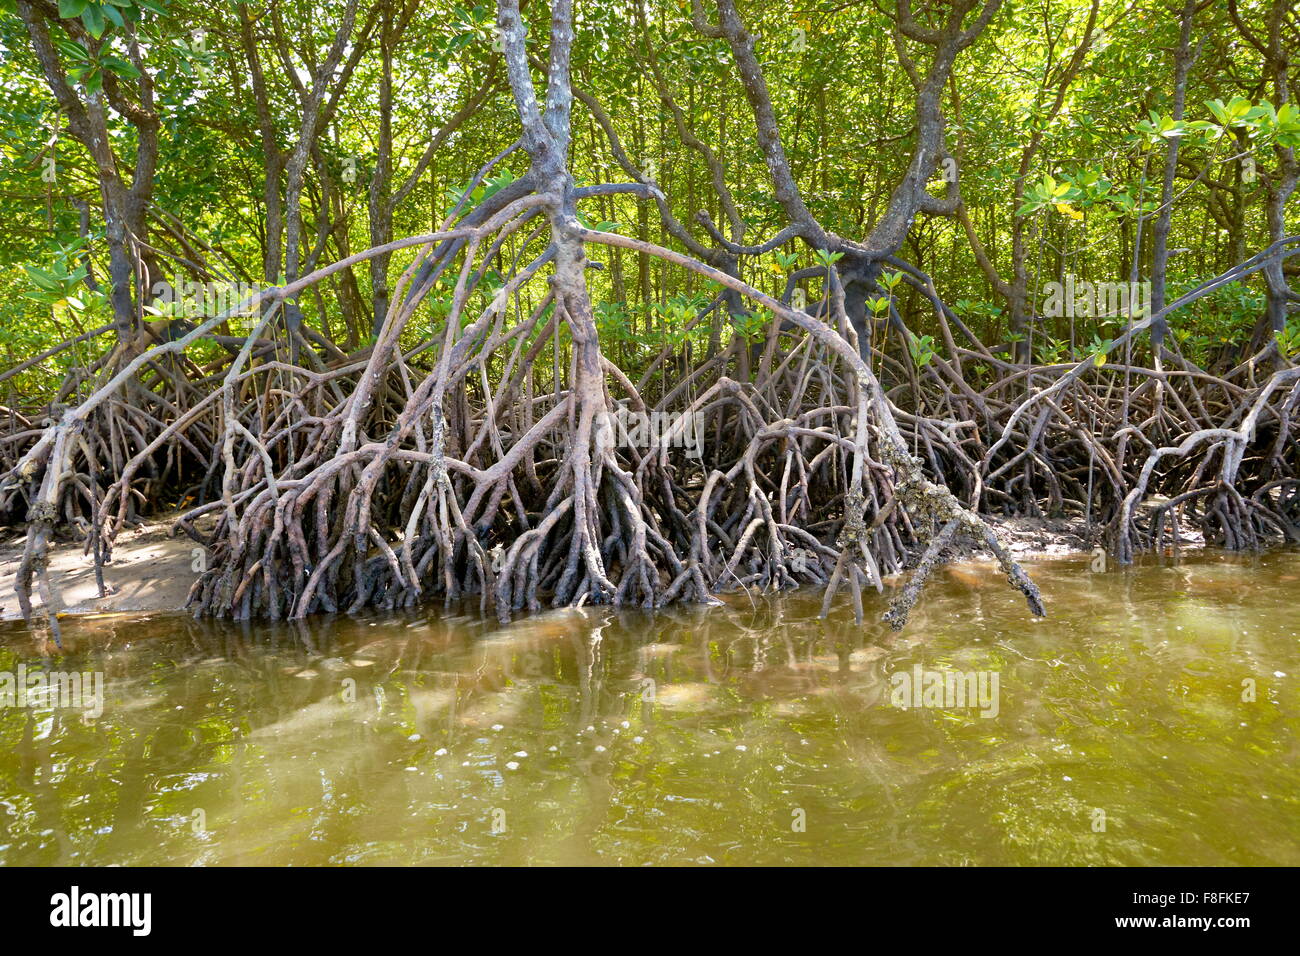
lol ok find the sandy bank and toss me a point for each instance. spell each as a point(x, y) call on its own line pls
point(151, 570)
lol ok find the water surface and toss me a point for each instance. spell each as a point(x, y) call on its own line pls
point(750, 734)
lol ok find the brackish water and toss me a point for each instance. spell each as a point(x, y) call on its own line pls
point(749, 734)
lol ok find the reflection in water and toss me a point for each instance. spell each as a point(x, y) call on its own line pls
point(753, 733)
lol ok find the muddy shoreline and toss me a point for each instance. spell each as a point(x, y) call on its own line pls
point(153, 566)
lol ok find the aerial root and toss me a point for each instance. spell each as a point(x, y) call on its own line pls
point(477, 464)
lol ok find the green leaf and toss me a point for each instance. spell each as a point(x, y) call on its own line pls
point(120, 67)
point(1238, 107)
point(93, 18)
point(43, 279)
point(72, 50)
point(71, 9)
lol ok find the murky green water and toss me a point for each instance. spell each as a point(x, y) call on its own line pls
point(748, 734)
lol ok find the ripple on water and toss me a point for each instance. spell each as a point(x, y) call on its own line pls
point(751, 733)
